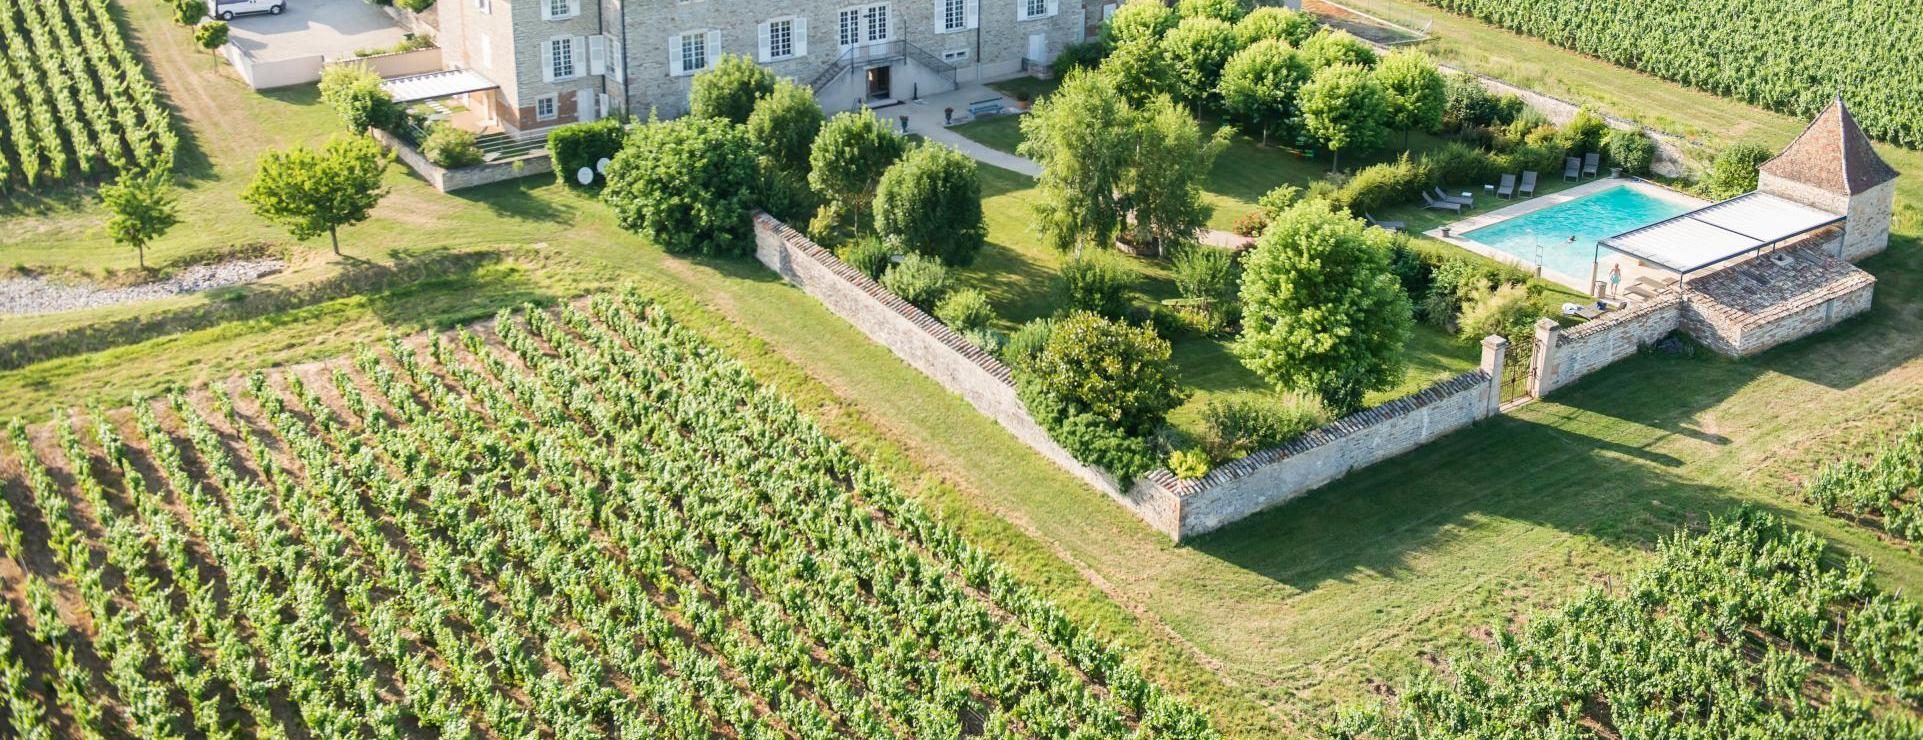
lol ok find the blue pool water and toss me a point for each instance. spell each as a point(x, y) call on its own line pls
point(1589, 219)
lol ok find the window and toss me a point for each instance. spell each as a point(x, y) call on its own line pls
point(485, 6)
point(954, 55)
point(863, 24)
point(561, 64)
point(691, 50)
point(557, 10)
point(778, 39)
point(546, 108)
point(1032, 9)
point(954, 15)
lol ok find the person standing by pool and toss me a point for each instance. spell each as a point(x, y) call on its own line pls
point(1615, 279)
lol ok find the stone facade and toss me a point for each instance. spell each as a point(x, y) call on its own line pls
point(1178, 508)
point(1869, 225)
point(629, 56)
point(1563, 357)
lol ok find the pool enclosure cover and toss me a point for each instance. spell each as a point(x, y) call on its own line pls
point(434, 85)
point(1711, 234)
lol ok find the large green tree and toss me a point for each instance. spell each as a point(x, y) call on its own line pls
point(1138, 20)
point(688, 185)
point(1329, 48)
point(354, 92)
point(312, 192)
point(1141, 69)
point(1270, 22)
point(846, 162)
point(1076, 134)
point(1345, 108)
point(1162, 188)
point(930, 202)
point(1197, 49)
point(142, 208)
point(1259, 85)
point(729, 89)
point(1413, 90)
point(1227, 11)
point(1322, 312)
point(784, 125)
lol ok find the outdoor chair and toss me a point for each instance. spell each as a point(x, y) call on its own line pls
point(1466, 200)
point(1591, 162)
point(1441, 205)
point(1508, 187)
point(1571, 168)
point(1390, 225)
point(1528, 183)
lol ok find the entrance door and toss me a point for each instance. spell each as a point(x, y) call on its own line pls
point(1037, 47)
point(879, 84)
point(585, 107)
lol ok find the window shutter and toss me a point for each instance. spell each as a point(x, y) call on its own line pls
point(578, 50)
point(617, 59)
point(574, 8)
point(1053, 7)
point(674, 55)
point(547, 10)
point(972, 14)
point(763, 41)
point(801, 36)
point(597, 55)
point(547, 61)
point(712, 51)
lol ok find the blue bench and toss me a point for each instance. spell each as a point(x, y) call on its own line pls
point(989, 107)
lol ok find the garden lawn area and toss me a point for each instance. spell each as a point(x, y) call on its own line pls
point(1018, 273)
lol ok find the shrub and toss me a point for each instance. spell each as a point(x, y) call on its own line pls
point(1467, 104)
point(1415, 91)
point(1456, 164)
point(846, 162)
point(1542, 157)
point(1734, 170)
point(1188, 464)
point(930, 203)
point(1388, 184)
point(1251, 223)
point(1088, 437)
point(1321, 312)
point(1278, 199)
point(1097, 282)
point(869, 255)
point(1272, 23)
point(987, 339)
point(729, 89)
point(1333, 48)
point(578, 145)
point(1100, 387)
point(964, 310)
point(917, 279)
point(1631, 149)
point(1227, 11)
point(1085, 55)
point(450, 147)
point(688, 185)
point(1234, 427)
point(784, 125)
point(1584, 133)
point(1206, 273)
point(1027, 341)
point(355, 94)
point(189, 12)
point(1507, 311)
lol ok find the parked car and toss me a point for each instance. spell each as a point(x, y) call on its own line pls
point(227, 9)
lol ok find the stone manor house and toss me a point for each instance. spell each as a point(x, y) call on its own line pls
point(532, 64)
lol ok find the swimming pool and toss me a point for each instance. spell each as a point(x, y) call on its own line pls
point(1589, 219)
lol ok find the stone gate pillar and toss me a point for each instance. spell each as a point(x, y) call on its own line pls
point(1495, 354)
point(1542, 363)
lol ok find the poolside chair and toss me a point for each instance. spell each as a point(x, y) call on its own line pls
point(1528, 183)
point(1465, 200)
point(1508, 187)
point(1591, 162)
point(1441, 205)
point(1390, 225)
point(1571, 168)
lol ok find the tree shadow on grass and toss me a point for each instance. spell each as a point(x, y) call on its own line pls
point(526, 199)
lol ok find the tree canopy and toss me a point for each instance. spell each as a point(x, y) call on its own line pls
point(846, 163)
point(1259, 85)
point(1138, 20)
point(784, 124)
point(1329, 48)
point(142, 207)
point(354, 92)
point(312, 192)
point(930, 202)
point(687, 185)
point(1322, 313)
point(1345, 108)
point(730, 88)
point(1197, 49)
point(1275, 23)
point(1141, 69)
point(1073, 134)
point(1413, 90)
point(1227, 11)
point(1162, 189)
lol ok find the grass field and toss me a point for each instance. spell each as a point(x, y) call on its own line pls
point(1269, 623)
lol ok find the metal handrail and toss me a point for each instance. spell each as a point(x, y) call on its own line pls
point(871, 54)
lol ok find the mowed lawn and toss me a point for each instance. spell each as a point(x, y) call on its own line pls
point(1271, 623)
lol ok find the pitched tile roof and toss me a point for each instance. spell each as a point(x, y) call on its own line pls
point(1832, 154)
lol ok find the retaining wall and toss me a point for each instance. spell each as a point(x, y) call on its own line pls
point(1178, 508)
point(398, 64)
point(266, 74)
point(446, 180)
point(1563, 357)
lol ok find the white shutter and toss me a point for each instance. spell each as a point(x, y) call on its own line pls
point(547, 60)
point(578, 50)
point(972, 14)
point(574, 8)
point(713, 50)
point(1054, 6)
point(674, 56)
point(547, 9)
point(763, 41)
point(617, 59)
point(801, 36)
point(597, 55)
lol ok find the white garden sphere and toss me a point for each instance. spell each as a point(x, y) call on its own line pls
point(601, 166)
point(586, 176)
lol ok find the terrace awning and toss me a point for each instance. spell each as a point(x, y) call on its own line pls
point(435, 85)
point(1714, 233)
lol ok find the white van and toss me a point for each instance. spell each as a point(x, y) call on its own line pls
point(227, 9)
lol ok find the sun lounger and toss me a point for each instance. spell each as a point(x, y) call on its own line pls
point(1466, 200)
point(1528, 183)
point(1508, 187)
point(1571, 168)
point(1390, 225)
point(1591, 162)
point(1441, 205)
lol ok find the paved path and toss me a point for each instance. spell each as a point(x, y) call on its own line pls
point(925, 120)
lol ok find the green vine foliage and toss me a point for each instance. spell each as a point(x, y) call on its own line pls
point(1788, 57)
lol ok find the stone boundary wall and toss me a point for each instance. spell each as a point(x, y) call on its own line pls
point(1178, 508)
point(1563, 357)
point(1783, 323)
point(446, 180)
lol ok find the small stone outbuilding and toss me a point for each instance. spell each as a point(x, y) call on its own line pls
point(1832, 167)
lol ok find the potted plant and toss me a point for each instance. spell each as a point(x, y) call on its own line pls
point(1021, 101)
point(1445, 232)
point(948, 116)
